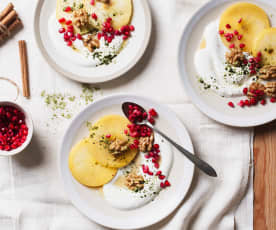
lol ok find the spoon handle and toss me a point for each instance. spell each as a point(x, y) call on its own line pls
point(202, 165)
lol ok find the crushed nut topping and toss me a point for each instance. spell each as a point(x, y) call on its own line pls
point(118, 146)
point(104, 1)
point(135, 182)
point(91, 42)
point(270, 89)
point(235, 57)
point(255, 86)
point(146, 143)
point(80, 18)
point(268, 72)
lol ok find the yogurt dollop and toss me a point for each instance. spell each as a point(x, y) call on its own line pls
point(210, 62)
point(122, 198)
point(81, 55)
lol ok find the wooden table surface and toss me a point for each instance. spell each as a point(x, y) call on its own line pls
point(265, 177)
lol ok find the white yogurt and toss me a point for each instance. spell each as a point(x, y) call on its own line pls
point(123, 198)
point(211, 66)
point(81, 56)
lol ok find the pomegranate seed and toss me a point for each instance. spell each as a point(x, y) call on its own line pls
point(232, 46)
point(236, 32)
point(162, 185)
point(61, 30)
point(240, 37)
point(245, 90)
point(167, 183)
point(161, 177)
point(259, 54)
point(263, 102)
point(99, 35)
point(145, 168)
point(69, 22)
point(153, 113)
point(252, 72)
point(68, 9)
point(253, 101)
point(221, 32)
point(94, 16)
point(73, 38)
point(228, 26)
point(125, 37)
point(242, 45)
point(241, 103)
point(158, 173)
point(79, 37)
point(132, 28)
point(92, 2)
point(69, 43)
point(108, 135)
point(273, 100)
point(240, 20)
point(150, 173)
point(251, 60)
point(61, 20)
point(231, 104)
point(151, 120)
point(229, 39)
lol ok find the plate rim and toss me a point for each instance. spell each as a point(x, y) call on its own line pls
point(196, 100)
point(71, 194)
point(82, 79)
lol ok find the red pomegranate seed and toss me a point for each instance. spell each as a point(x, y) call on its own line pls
point(99, 35)
point(273, 100)
point(245, 90)
point(92, 2)
point(259, 54)
point(68, 9)
point(69, 43)
point(153, 113)
point(61, 30)
point(151, 120)
point(145, 168)
point(228, 26)
point(156, 146)
point(125, 37)
point(167, 183)
point(158, 173)
point(69, 22)
point(79, 37)
point(236, 32)
point(94, 16)
point(240, 20)
point(240, 37)
point(161, 177)
point(253, 101)
point(232, 46)
point(162, 185)
point(108, 135)
point(61, 20)
point(229, 39)
point(73, 38)
point(231, 104)
point(252, 72)
point(132, 28)
point(263, 102)
point(246, 102)
point(242, 45)
point(150, 173)
point(156, 165)
point(221, 32)
point(241, 103)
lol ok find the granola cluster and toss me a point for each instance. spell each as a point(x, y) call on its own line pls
point(91, 42)
point(118, 146)
point(80, 18)
point(267, 72)
point(135, 182)
point(235, 57)
point(146, 143)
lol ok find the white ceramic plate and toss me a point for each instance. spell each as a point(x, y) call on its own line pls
point(209, 103)
point(92, 204)
point(127, 58)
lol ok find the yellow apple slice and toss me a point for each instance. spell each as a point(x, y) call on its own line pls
point(119, 10)
point(266, 44)
point(85, 169)
point(246, 18)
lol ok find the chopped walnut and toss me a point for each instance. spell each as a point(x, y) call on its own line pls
point(268, 72)
point(255, 86)
point(118, 146)
point(80, 18)
point(135, 182)
point(235, 57)
point(146, 143)
point(104, 1)
point(91, 42)
point(270, 89)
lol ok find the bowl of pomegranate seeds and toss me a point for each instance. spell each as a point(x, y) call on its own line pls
point(16, 128)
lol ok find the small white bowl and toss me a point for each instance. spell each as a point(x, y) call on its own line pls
point(29, 124)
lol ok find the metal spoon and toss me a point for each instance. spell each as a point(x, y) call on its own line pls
point(202, 165)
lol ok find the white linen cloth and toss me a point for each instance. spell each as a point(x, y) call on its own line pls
point(31, 193)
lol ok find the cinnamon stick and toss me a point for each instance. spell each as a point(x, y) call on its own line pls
point(24, 68)
point(9, 18)
point(11, 28)
point(6, 11)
